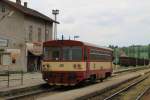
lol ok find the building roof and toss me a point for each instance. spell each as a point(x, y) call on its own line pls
point(28, 11)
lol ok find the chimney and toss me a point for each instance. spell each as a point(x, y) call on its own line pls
point(18, 2)
point(25, 4)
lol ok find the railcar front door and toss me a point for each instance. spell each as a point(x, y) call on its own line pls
point(87, 69)
point(87, 62)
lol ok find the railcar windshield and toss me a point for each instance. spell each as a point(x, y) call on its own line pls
point(72, 53)
point(63, 53)
point(52, 53)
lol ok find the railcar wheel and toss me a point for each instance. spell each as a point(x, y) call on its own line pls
point(93, 78)
point(101, 79)
point(108, 74)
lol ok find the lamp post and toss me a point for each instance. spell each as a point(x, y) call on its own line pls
point(55, 13)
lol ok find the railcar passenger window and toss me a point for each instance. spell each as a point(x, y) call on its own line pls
point(99, 55)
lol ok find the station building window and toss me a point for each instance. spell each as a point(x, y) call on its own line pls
point(3, 9)
point(47, 35)
point(0, 59)
point(39, 34)
point(30, 33)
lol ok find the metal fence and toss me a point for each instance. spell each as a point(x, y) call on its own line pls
point(9, 76)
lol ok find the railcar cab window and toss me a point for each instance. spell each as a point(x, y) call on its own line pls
point(72, 53)
point(52, 53)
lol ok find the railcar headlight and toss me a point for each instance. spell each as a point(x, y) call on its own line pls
point(44, 67)
point(48, 65)
point(74, 66)
point(79, 66)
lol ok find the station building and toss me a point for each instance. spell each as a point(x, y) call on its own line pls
point(22, 32)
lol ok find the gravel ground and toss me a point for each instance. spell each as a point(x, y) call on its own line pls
point(130, 94)
point(135, 91)
point(146, 96)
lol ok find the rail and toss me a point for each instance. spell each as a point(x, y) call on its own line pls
point(126, 88)
point(142, 94)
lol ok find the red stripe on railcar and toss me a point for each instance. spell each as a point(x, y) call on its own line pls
point(64, 77)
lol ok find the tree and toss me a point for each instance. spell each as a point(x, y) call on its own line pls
point(138, 52)
point(111, 46)
point(149, 51)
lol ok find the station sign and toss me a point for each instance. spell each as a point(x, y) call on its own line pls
point(3, 42)
point(35, 48)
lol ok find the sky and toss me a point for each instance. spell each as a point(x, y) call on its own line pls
point(102, 22)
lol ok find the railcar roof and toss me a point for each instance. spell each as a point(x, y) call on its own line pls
point(94, 45)
point(74, 42)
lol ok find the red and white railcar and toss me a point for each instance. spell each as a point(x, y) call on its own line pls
point(69, 62)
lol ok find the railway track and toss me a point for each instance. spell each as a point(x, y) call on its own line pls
point(141, 96)
point(127, 91)
point(46, 91)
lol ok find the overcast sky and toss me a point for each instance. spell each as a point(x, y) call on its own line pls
point(103, 22)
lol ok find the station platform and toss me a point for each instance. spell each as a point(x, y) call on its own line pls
point(30, 81)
